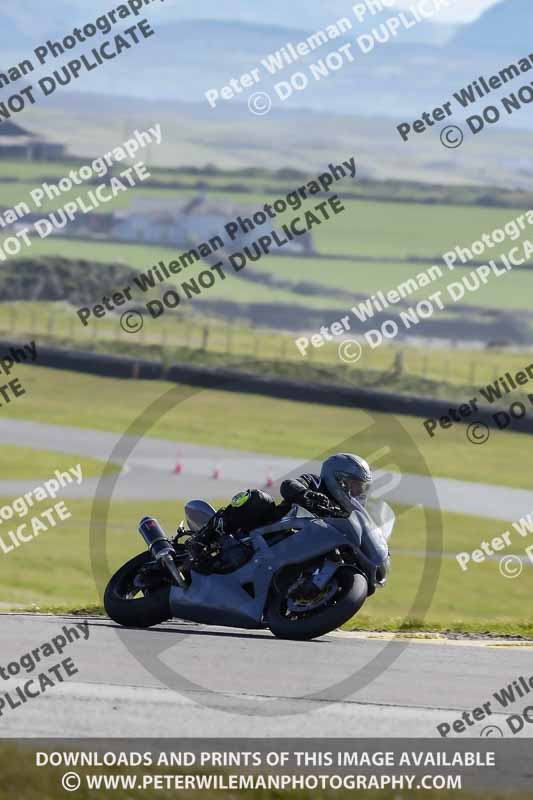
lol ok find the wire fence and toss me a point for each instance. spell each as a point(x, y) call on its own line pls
point(195, 338)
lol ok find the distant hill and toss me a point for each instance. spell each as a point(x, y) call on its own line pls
point(10, 129)
point(186, 58)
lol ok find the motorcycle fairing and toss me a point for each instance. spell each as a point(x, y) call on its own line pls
point(238, 598)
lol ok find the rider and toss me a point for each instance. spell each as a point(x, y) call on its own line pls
point(343, 479)
point(247, 510)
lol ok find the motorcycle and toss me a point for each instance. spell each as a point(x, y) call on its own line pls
point(301, 577)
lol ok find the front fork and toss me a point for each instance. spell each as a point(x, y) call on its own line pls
point(322, 575)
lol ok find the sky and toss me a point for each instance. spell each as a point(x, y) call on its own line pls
point(58, 11)
point(460, 11)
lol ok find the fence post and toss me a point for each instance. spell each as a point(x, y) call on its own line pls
point(205, 337)
point(398, 365)
point(229, 334)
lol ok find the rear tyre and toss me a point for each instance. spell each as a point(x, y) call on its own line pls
point(124, 606)
point(352, 590)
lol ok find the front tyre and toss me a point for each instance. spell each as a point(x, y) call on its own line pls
point(134, 607)
point(347, 592)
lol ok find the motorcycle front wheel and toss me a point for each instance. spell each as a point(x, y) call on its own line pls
point(131, 606)
point(346, 593)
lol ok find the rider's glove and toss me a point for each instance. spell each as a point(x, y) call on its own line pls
point(316, 500)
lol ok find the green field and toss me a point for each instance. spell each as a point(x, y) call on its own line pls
point(508, 292)
point(374, 229)
point(365, 228)
point(368, 228)
point(142, 257)
point(402, 230)
point(349, 234)
point(20, 463)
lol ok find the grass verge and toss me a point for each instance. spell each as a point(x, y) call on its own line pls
point(21, 463)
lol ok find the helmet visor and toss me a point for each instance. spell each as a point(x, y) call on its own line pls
point(355, 488)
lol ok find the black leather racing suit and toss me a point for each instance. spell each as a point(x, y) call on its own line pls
point(303, 491)
point(249, 509)
point(253, 508)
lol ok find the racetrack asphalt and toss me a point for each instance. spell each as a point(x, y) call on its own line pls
point(247, 683)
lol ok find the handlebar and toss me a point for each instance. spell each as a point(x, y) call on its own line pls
point(329, 511)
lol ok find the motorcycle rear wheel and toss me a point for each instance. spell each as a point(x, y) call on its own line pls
point(125, 608)
point(352, 593)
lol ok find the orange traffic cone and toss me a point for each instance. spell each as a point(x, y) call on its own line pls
point(216, 473)
point(179, 467)
point(269, 480)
